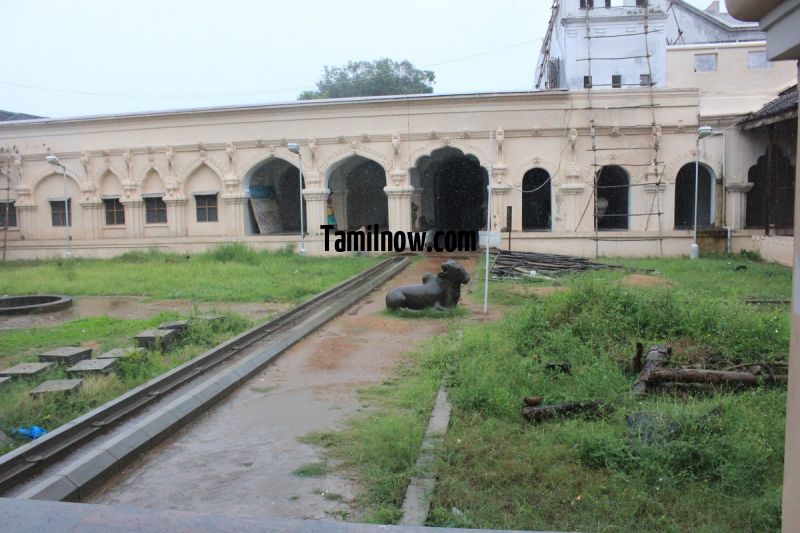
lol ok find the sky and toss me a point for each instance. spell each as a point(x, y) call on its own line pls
point(90, 57)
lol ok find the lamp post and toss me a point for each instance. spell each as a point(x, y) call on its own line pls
point(56, 162)
point(702, 133)
point(295, 149)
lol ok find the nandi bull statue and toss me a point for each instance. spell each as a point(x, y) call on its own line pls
point(440, 292)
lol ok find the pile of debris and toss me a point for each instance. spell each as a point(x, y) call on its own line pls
point(530, 265)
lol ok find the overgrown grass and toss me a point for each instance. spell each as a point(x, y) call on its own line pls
point(230, 272)
point(658, 463)
point(18, 409)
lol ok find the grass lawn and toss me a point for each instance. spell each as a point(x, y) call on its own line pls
point(229, 273)
point(653, 463)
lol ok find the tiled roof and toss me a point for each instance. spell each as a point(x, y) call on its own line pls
point(784, 104)
point(9, 115)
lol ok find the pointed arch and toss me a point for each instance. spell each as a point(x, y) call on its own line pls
point(685, 196)
point(356, 149)
point(208, 161)
point(273, 190)
point(536, 200)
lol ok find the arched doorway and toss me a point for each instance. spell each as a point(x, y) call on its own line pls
point(684, 197)
point(771, 204)
point(454, 194)
point(357, 196)
point(273, 189)
point(613, 198)
point(536, 203)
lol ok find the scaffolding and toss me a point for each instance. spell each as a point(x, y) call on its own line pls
point(654, 165)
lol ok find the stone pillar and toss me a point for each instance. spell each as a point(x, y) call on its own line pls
point(501, 196)
point(791, 462)
point(93, 218)
point(26, 220)
point(568, 205)
point(235, 204)
point(737, 204)
point(316, 209)
point(176, 215)
point(134, 216)
point(399, 199)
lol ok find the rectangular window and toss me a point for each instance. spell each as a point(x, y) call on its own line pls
point(8, 208)
point(587, 4)
point(155, 211)
point(644, 80)
point(587, 82)
point(705, 62)
point(616, 81)
point(115, 212)
point(757, 60)
point(206, 207)
point(58, 211)
point(641, 3)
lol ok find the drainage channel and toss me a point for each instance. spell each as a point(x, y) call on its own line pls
point(78, 456)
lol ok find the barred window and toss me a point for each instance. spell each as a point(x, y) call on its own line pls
point(644, 80)
point(61, 212)
point(10, 210)
point(155, 211)
point(206, 207)
point(616, 81)
point(587, 82)
point(115, 212)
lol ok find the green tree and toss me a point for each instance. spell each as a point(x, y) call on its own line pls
point(371, 78)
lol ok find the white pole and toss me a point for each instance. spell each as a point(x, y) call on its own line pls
point(302, 228)
point(488, 224)
point(694, 250)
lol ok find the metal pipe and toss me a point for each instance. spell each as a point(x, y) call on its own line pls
point(295, 149)
point(488, 224)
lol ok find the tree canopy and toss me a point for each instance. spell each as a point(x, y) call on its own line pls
point(371, 78)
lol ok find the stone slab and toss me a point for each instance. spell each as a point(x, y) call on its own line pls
point(56, 386)
point(4, 381)
point(178, 325)
point(148, 339)
point(25, 369)
point(120, 353)
point(65, 355)
point(93, 366)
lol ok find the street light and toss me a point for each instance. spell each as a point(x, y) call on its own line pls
point(53, 160)
point(702, 133)
point(295, 149)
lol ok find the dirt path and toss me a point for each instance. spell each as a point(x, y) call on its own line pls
point(240, 456)
point(134, 307)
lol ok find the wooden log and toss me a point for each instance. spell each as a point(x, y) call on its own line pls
point(546, 412)
point(654, 360)
point(532, 401)
point(695, 375)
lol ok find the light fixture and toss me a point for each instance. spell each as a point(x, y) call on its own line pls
point(56, 162)
point(295, 149)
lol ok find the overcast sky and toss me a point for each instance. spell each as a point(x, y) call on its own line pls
point(87, 57)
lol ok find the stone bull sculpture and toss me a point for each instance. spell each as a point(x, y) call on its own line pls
point(440, 292)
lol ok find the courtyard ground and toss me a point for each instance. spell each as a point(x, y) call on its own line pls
point(118, 298)
point(652, 463)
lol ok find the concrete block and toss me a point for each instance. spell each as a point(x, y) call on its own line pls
point(91, 470)
point(151, 338)
point(156, 424)
point(56, 386)
point(54, 488)
point(126, 445)
point(120, 353)
point(66, 355)
point(25, 370)
point(178, 325)
point(92, 366)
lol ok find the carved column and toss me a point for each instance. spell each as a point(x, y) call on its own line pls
point(316, 209)
point(235, 205)
point(176, 215)
point(134, 216)
point(501, 196)
point(93, 218)
point(737, 204)
point(399, 199)
point(26, 212)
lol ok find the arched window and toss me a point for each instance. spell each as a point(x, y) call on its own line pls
point(612, 198)
point(684, 197)
point(536, 203)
